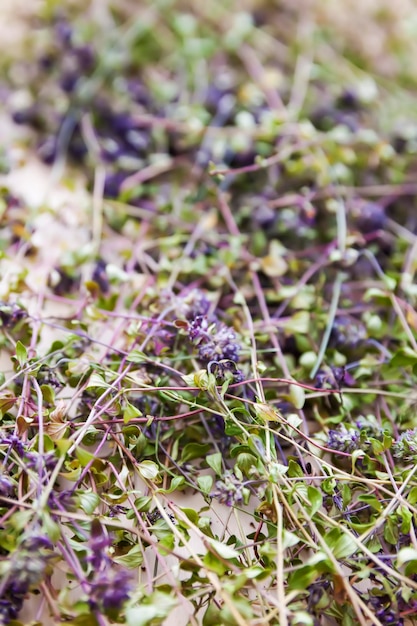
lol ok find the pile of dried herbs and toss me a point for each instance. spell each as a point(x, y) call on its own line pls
point(207, 401)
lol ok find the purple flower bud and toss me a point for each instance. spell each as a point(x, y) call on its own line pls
point(100, 276)
point(348, 333)
point(68, 81)
point(14, 442)
point(343, 439)
point(405, 448)
point(85, 57)
point(63, 32)
point(215, 341)
point(6, 486)
point(11, 313)
point(113, 183)
point(110, 590)
point(229, 491)
point(369, 217)
point(48, 150)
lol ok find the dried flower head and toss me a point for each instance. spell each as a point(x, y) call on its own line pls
point(230, 491)
point(215, 341)
point(344, 439)
point(405, 447)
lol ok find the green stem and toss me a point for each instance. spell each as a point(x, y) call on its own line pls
point(332, 314)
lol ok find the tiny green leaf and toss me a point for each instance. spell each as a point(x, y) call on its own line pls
point(89, 501)
point(21, 353)
point(215, 461)
point(205, 483)
point(148, 470)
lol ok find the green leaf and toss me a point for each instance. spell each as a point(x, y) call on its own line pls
point(412, 496)
point(340, 543)
point(63, 445)
point(157, 609)
point(191, 514)
point(97, 382)
point(289, 539)
point(148, 470)
point(346, 495)
point(405, 356)
point(143, 504)
point(50, 527)
point(223, 550)
point(194, 451)
point(212, 616)
point(212, 562)
point(20, 519)
point(299, 323)
point(256, 445)
point(215, 461)
point(405, 555)
point(357, 454)
point(406, 516)
point(88, 500)
point(48, 393)
point(244, 608)
point(377, 446)
point(205, 483)
point(266, 413)
point(133, 558)
point(316, 499)
point(391, 531)
point(245, 461)
point(176, 483)
point(302, 618)
point(294, 469)
point(371, 500)
point(297, 396)
point(21, 353)
point(302, 578)
point(130, 412)
point(231, 429)
point(136, 356)
point(84, 456)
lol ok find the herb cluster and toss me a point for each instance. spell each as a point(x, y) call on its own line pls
point(207, 404)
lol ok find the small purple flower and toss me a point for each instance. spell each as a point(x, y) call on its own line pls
point(68, 81)
point(24, 569)
point(85, 57)
point(405, 448)
point(198, 328)
point(9, 609)
point(198, 304)
point(100, 276)
point(348, 333)
point(230, 490)
point(191, 304)
point(49, 460)
point(369, 217)
point(113, 183)
point(98, 543)
point(14, 442)
point(343, 439)
point(63, 32)
point(113, 588)
point(109, 587)
point(333, 377)
point(225, 370)
point(385, 610)
point(215, 341)
point(6, 486)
